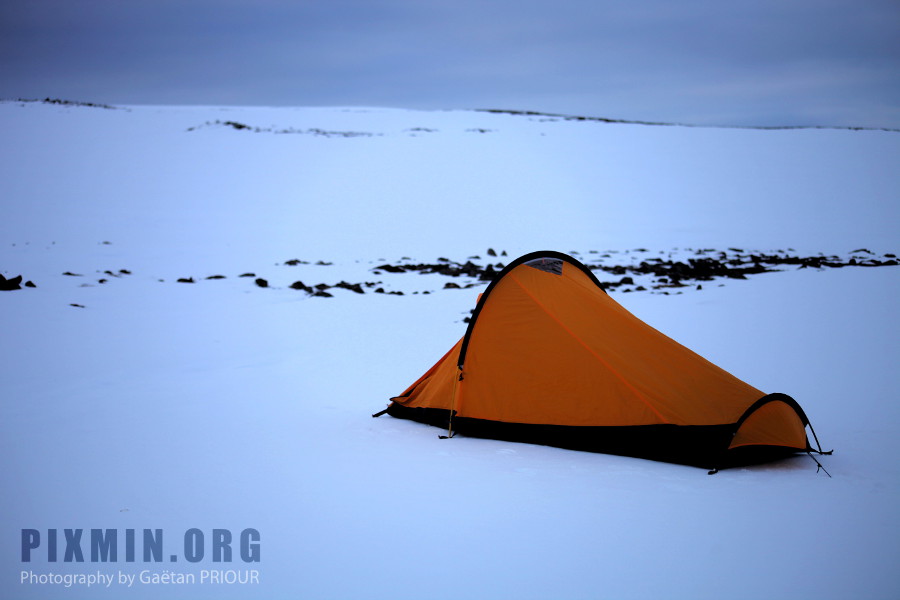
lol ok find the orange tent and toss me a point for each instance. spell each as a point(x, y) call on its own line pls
point(550, 358)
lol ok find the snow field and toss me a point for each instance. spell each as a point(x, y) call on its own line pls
point(222, 404)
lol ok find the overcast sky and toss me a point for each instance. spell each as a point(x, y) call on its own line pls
point(734, 62)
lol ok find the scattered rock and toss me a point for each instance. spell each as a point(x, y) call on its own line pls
point(391, 293)
point(391, 268)
point(353, 287)
point(664, 272)
point(8, 285)
point(488, 273)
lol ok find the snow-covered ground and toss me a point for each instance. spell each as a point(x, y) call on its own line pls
point(221, 404)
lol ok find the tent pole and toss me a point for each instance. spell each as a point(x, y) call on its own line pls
point(459, 377)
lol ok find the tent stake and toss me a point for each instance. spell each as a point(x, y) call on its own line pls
point(818, 463)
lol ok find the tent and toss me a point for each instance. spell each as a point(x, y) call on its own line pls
point(550, 358)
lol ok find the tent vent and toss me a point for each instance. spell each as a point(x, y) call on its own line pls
point(551, 265)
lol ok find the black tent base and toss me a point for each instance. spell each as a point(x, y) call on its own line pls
point(704, 446)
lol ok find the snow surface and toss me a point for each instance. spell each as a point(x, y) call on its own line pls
point(157, 404)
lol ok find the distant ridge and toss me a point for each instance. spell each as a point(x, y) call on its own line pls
point(62, 102)
point(526, 113)
point(530, 113)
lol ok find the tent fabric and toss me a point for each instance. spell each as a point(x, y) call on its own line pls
point(549, 357)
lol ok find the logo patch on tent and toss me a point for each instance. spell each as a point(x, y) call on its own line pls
point(551, 265)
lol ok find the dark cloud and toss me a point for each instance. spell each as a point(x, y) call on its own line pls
point(764, 62)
